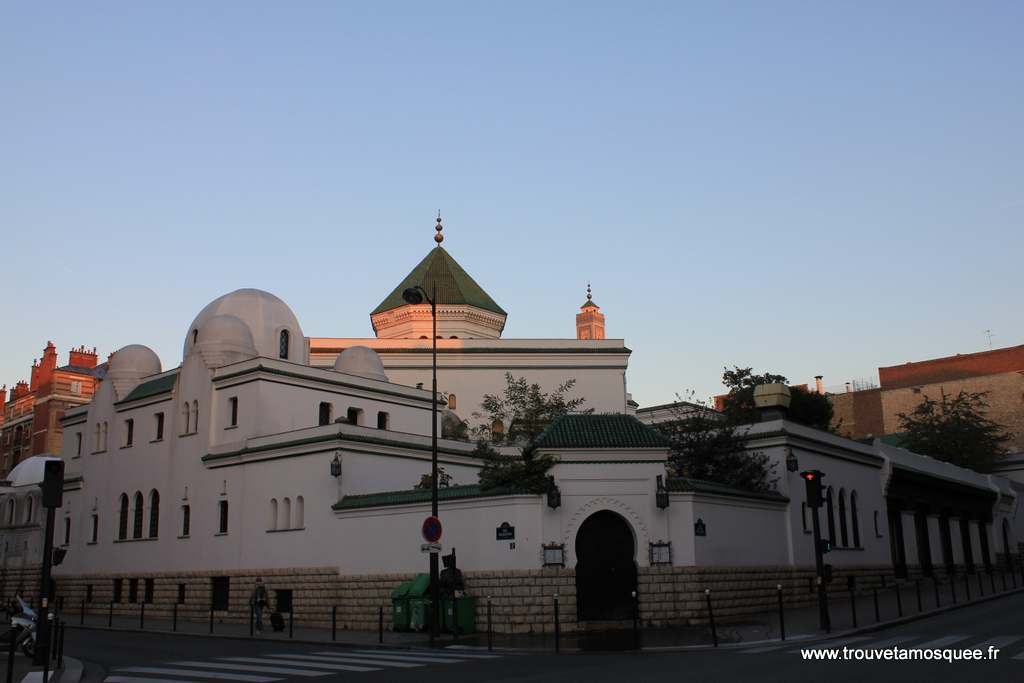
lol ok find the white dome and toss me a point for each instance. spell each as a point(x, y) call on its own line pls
point(29, 471)
point(261, 313)
point(224, 339)
point(361, 361)
point(135, 360)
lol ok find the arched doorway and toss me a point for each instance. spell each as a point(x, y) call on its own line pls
point(605, 567)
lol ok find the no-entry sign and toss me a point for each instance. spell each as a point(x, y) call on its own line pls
point(431, 529)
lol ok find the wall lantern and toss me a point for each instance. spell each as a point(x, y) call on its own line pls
point(660, 552)
point(661, 494)
point(792, 464)
point(554, 554)
point(554, 494)
point(336, 467)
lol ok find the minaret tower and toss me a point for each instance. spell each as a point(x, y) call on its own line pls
point(590, 319)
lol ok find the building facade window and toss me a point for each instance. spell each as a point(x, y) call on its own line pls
point(383, 420)
point(30, 505)
point(324, 414)
point(94, 529)
point(273, 514)
point(354, 416)
point(133, 591)
point(78, 443)
point(118, 589)
point(220, 590)
point(186, 520)
point(300, 512)
point(185, 415)
point(844, 536)
point(159, 418)
point(854, 521)
point(452, 402)
point(286, 513)
point(154, 513)
point(282, 351)
point(96, 438)
point(233, 411)
point(122, 518)
point(181, 594)
point(830, 513)
point(147, 591)
point(76, 387)
point(803, 515)
point(103, 437)
point(88, 593)
point(195, 416)
point(129, 432)
point(67, 530)
point(138, 514)
point(223, 521)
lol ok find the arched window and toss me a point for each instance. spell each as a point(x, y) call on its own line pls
point(29, 509)
point(195, 416)
point(1006, 543)
point(452, 402)
point(273, 514)
point(300, 512)
point(383, 420)
point(103, 438)
point(10, 511)
point(96, 438)
point(325, 413)
point(185, 418)
point(843, 535)
point(137, 516)
point(854, 521)
point(286, 513)
point(122, 519)
point(830, 514)
point(195, 336)
point(154, 514)
point(282, 352)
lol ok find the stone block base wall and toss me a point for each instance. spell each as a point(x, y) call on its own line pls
point(521, 601)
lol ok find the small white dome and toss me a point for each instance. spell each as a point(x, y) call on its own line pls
point(29, 471)
point(135, 360)
point(224, 339)
point(264, 316)
point(361, 361)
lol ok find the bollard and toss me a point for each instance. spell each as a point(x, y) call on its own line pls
point(81, 618)
point(334, 623)
point(935, 585)
point(174, 618)
point(917, 588)
point(874, 592)
point(380, 625)
point(711, 617)
point(636, 630)
point(291, 622)
point(967, 586)
point(10, 656)
point(899, 600)
point(110, 615)
point(558, 632)
point(211, 618)
point(782, 614)
point(142, 615)
point(851, 585)
point(490, 641)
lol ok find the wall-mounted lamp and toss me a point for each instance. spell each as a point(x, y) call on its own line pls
point(792, 464)
point(336, 467)
point(554, 494)
point(661, 493)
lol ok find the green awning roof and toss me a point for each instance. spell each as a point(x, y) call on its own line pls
point(454, 285)
point(683, 484)
point(600, 431)
point(153, 387)
point(445, 493)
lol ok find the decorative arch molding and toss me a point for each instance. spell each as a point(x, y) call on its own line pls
point(614, 505)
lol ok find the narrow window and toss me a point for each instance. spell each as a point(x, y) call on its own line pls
point(452, 402)
point(830, 513)
point(186, 519)
point(94, 529)
point(88, 593)
point(325, 413)
point(803, 514)
point(300, 512)
point(122, 519)
point(133, 591)
point(154, 514)
point(273, 514)
point(118, 589)
point(195, 416)
point(129, 432)
point(854, 522)
point(843, 535)
point(877, 533)
point(286, 513)
point(159, 426)
point(138, 515)
point(355, 416)
point(78, 443)
point(104, 437)
point(282, 352)
point(10, 511)
point(30, 508)
point(382, 420)
point(223, 528)
point(220, 589)
point(67, 530)
point(195, 336)
point(185, 417)
point(233, 406)
point(76, 388)
point(96, 439)
point(181, 594)
point(147, 591)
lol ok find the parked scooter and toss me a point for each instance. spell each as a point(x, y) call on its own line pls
point(24, 622)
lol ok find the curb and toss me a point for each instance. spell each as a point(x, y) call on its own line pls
point(72, 671)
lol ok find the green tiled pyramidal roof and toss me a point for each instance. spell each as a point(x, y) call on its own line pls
point(153, 387)
point(367, 500)
point(683, 484)
point(454, 285)
point(600, 431)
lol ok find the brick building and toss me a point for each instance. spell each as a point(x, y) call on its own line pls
point(999, 373)
point(32, 412)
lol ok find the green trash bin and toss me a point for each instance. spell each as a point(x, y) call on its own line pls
point(400, 606)
point(465, 618)
point(419, 603)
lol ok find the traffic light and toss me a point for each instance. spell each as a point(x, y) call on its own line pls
point(58, 555)
point(812, 478)
point(826, 546)
point(53, 483)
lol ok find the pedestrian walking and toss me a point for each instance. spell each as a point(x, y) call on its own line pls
point(258, 602)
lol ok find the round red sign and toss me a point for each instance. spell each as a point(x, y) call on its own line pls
point(431, 529)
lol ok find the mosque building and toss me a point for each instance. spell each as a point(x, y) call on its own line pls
point(269, 454)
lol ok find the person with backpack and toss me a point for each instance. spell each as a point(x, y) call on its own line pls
point(258, 602)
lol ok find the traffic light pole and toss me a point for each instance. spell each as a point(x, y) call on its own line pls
point(819, 568)
point(42, 655)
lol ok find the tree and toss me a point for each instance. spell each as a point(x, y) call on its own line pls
point(517, 417)
point(807, 408)
point(705, 446)
point(444, 480)
point(955, 429)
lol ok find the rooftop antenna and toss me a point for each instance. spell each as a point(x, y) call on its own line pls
point(988, 333)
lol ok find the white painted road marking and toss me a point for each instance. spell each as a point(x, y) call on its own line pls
point(310, 665)
point(247, 667)
point(357, 659)
point(406, 657)
point(200, 674)
point(940, 642)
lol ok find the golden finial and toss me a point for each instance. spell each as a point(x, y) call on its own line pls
point(439, 237)
point(589, 296)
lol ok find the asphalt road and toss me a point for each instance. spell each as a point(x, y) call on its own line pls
point(152, 658)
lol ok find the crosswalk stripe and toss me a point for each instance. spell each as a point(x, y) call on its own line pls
point(940, 642)
point(1020, 656)
point(308, 664)
point(248, 667)
point(999, 642)
point(876, 645)
point(888, 642)
point(406, 658)
point(779, 646)
point(143, 679)
point(247, 678)
point(352, 660)
point(439, 653)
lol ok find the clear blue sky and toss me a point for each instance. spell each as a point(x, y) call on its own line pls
point(802, 187)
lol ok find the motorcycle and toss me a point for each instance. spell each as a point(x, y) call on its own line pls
point(23, 622)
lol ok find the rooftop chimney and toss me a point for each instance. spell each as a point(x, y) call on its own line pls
point(772, 401)
point(82, 357)
point(819, 386)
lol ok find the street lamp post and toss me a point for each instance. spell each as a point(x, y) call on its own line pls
point(416, 295)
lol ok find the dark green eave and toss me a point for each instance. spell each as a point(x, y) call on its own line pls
point(685, 485)
point(449, 493)
point(153, 387)
point(454, 285)
point(600, 431)
point(589, 304)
